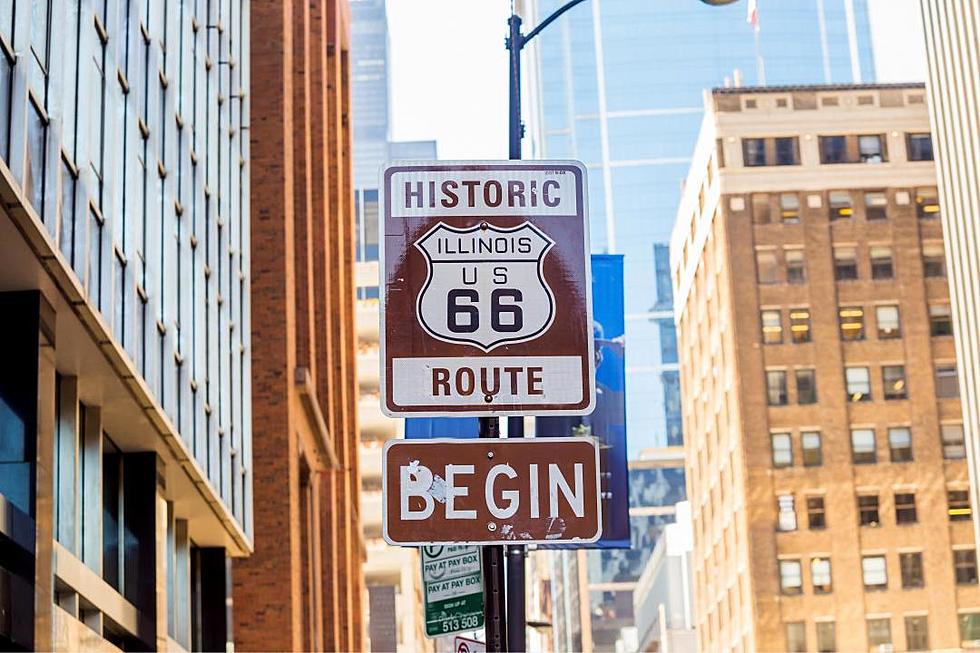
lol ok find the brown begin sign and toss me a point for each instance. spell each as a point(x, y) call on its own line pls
point(488, 491)
point(486, 302)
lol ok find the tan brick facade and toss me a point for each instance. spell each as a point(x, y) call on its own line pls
point(745, 429)
point(302, 589)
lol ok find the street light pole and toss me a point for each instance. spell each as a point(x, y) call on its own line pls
point(516, 620)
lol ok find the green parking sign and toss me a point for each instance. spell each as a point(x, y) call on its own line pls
point(452, 580)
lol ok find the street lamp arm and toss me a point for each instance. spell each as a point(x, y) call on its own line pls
point(550, 19)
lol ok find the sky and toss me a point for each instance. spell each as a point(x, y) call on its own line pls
point(449, 68)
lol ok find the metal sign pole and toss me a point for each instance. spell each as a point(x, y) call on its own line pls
point(494, 611)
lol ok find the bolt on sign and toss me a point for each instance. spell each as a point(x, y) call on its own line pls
point(491, 491)
point(487, 298)
point(452, 584)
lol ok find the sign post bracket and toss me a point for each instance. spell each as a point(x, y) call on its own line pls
point(494, 611)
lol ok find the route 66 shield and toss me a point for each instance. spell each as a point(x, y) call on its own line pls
point(486, 285)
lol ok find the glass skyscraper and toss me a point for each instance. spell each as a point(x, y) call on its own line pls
point(618, 85)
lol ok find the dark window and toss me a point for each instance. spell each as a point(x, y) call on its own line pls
point(839, 202)
point(796, 637)
point(851, 320)
point(820, 575)
point(952, 438)
point(868, 510)
point(833, 149)
point(787, 149)
point(965, 566)
point(927, 202)
point(959, 505)
point(816, 516)
point(111, 513)
point(782, 450)
point(789, 208)
point(947, 385)
point(772, 327)
point(919, 146)
point(875, 205)
point(720, 152)
point(882, 263)
point(806, 386)
point(668, 341)
point(933, 261)
point(911, 566)
point(889, 325)
point(767, 264)
point(863, 447)
point(812, 449)
point(799, 325)
point(871, 148)
point(845, 263)
point(776, 387)
point(893, 380)
point(826, 637)
point(858, 380)
point(760, 208)
point(754, 151)
point(940, 320)
point(917, 633)
point(795, 266)
point(970, 627)
point(905, 512)
point(900, 444)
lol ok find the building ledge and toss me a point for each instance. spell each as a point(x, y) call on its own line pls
point(311, 406)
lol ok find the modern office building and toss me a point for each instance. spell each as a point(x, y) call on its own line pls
point(826, 471)
point(303, 587)
point(617, 84)
point(125, 414)
point(952, 30)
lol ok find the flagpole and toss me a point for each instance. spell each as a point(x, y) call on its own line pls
point(760, 64)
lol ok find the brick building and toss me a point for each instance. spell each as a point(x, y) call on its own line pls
point(826, 470)
point(125, 420)
point(302, 589)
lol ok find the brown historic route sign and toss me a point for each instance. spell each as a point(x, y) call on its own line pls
point(488, 491)
point(486, 304)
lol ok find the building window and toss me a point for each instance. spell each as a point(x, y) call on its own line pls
point(851, 320)
point(889, 325)
point(796, 637)
point(959, 505)
point(812, 450)
point(833, 149)
point(760, 208)
point(786, 519)
point(893, 380)
point(858, 380)
point(776, 387)
point(911, 567)
point(806, 386)
point(933, 261)
point(845, 263)
point(882, 266)
point(767, 264)
point(875, 205)
point(799, 325)
point(787, 151)
point(954, 447)
point(947, 384)
point(820, 575)
point(790, 576)
point(868, 514)
point(782, 450)
point(816, 516)
point(839, 202)
point(826, 637)
point(919, 147)
point(916, 633)
point(970, 629)
point(873, 572)
point(880, 634)
point(871, 148)
point(905, 512)
point(927, 202)
point(940, 320)
point(754, 151)
point(795, 266)
point(720, 152)
point(900, 444)
point(965, 566)
point(789, 207)
point(772, 327)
